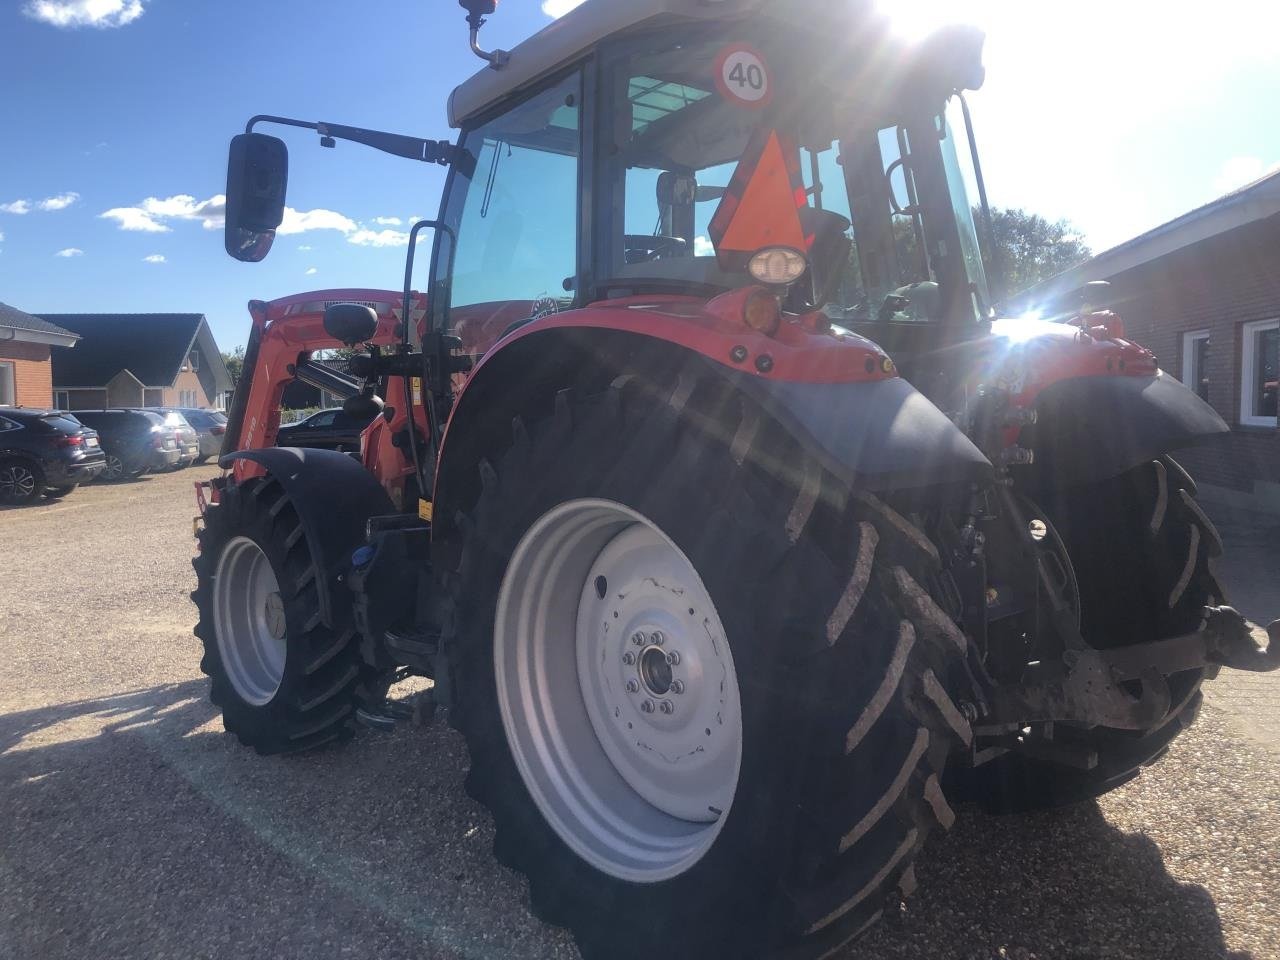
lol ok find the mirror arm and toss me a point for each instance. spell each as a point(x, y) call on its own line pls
point(411, 148)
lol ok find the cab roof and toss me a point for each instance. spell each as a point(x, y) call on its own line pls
point(578, 31)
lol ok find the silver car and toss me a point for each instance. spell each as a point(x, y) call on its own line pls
point(211, 425)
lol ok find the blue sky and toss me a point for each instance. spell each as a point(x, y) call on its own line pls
point(1119, 115)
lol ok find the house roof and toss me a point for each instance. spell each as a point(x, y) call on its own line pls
point(1256, 201)
point(33, 329)
point(151, 346)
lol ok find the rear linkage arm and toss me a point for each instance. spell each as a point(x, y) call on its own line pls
point(1088, 690)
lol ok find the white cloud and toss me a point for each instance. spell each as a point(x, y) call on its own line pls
point(378, 238)
point(1241, 171)
point(305, 247)
point(702, 247)
point(155, 258)
point(558, 8)
point(151, 215)
point(1, 237)
point(70, 252)
point(84, 13)
point(311, 271)
point(387, 221)
point(17, 206)
point(60, 202)
point(301, 221)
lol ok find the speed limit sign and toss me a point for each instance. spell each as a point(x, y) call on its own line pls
point(743, 76)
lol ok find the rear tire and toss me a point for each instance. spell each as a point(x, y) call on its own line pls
point(284, 680)
point(840, 657)
point(1141, 548)
point(21, 481)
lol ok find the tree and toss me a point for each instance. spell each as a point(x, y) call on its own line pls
point(1030, 248)
point(235, 364)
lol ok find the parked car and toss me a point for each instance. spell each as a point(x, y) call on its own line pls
point(45, 452)
point(212, 427)
point(134, 441)
point(187, 436)
point(331, 429)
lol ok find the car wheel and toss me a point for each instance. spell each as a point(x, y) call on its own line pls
point(20, 481)
point(114, 470)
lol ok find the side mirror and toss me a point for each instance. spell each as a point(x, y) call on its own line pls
point(350, 323)
point(257, 179)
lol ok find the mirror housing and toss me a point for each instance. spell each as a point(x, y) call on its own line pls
point(350, 323)
point(257, 181)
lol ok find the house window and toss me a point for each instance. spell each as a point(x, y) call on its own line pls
point(62, 399)
point(1260, 373)
point(1195, 362)
point(8, 385)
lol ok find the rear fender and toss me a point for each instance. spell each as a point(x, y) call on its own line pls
point(334, 497)
point(1092, 428)
point(875, 434)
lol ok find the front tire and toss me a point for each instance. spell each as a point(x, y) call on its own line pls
point(786, 792)
point(284, 680)
point(21, 481)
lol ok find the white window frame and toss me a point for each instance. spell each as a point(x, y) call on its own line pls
point(13, 383)
point(1189, 341)
point(62, 399)
point(1249, 370)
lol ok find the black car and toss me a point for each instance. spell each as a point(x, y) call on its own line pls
point(134, 441)
point(45, 452)
point(331, 429)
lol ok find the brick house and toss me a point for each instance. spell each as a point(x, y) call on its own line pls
point(26, 370)
point(1203, 292)
point(139, 360)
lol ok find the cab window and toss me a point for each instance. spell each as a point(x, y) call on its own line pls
point(514, 202)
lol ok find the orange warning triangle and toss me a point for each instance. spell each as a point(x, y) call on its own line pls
point(766, 213)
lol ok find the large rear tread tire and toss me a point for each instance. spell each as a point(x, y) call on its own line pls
point(842, 661)
point(325, 679)
point(1143, 551)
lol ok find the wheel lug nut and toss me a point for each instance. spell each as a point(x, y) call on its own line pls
point(677, 686)
point(633, 686)
point(647, 706)
point(673, 658)
point(668, 707)
point(657, 638)
point(639, 639)
point(628, 658)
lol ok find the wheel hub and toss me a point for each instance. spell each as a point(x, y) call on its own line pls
point(617, 690)
point(249, 621)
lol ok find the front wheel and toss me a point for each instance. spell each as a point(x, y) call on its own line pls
point(21, 481)
point(284, 680)
point(706, 705)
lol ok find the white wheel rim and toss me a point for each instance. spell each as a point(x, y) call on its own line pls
point(115, 468)
point(248, 618)
point(631, 755)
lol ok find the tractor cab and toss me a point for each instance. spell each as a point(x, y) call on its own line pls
point(684, 155)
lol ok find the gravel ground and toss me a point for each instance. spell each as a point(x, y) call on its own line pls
point(134, 827)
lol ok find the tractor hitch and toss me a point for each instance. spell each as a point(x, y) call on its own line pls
point(1085, 686)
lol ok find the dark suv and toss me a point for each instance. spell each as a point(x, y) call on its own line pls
point(134, 441)
point(329, 430)
point(44, 452)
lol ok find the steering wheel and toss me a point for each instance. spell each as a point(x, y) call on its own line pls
point(911, 209)
point(641, 248)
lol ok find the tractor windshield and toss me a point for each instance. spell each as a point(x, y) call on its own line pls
point(875, 185)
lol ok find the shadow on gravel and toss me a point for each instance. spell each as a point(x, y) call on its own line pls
point(134, 825)
point(1055, 885)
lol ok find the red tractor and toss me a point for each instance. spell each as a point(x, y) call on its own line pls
point(738, 532)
